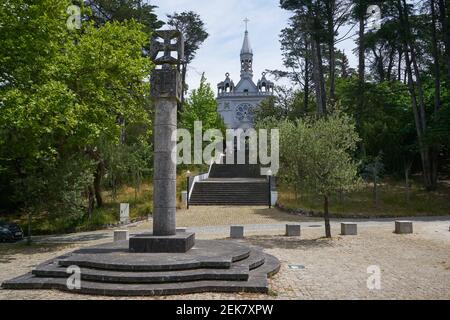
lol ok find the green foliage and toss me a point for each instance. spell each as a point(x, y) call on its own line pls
point(201, 106)
point(316, 154)
point(385, 124)
point(193, 29)
point(62, 92)
point(124, 10)
point(286, 103)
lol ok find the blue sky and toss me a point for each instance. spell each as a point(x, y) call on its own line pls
point(224, 22)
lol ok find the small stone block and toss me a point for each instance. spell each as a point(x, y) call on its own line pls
point(349, 229)
point(184, 197)
point(403, 227)
point(121, 235)
point(148, 243)
point(181, 230)
point(293, 230)
point(124, 212)
point(237, 232)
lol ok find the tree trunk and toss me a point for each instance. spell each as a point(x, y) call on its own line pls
point(98, 175)
point(375, 188)
point(443, 16)
point(91, 202)
point(400, 57)
point(418, 100)
point(319, 81)
point(437, 90)
point(361, 69)
point(435, 49)
point(326, 216)
point(407, 182)
point(29, 229)
point(98, 184)
point(390, 65)
point(306, 80)
point(332, 54)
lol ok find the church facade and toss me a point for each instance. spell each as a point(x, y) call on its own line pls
point(237, 103)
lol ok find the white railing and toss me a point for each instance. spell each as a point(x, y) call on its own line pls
point(204, 176)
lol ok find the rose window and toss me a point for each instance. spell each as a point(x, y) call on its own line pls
point(244, 112)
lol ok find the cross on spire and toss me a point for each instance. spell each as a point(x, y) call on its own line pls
point(246, 20)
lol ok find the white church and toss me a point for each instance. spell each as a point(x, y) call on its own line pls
point(236, 103)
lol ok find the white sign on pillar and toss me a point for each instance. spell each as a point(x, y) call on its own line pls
point(124, 212)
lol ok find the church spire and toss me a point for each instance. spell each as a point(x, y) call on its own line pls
point(246, 55)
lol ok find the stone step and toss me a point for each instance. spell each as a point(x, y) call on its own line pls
point(270, 267)
point(256, 259)
point(230, 196)
point(235, 273)
point(116, 257)
point(231, 203)
point(239, 271)
point(257, 283)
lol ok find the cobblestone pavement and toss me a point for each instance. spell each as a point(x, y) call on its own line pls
point(413, 266)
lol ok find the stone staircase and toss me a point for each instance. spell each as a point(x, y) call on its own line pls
point(232, 185)
point(231, 191)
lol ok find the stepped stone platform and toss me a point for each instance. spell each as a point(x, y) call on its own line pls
point(112, 270)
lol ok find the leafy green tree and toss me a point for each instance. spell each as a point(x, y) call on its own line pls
point(192, 27)
point(201, 106)
point(316, 155)
point(121, 10)
point(61, 93)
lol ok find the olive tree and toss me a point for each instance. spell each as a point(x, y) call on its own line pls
point(316, 155)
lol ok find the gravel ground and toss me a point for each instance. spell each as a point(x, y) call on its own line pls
point(413, 266)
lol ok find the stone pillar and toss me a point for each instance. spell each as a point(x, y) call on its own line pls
point(166, 88)
point(165, 171)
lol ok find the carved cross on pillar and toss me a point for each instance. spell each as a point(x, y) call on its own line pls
point(166, 82)
point(167, 46)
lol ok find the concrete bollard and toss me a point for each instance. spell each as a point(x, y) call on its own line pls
point(273, 198)
point(403, 227)
point(349, 229)
point(293, 230)
point(124, 213)
point(237, 232)
point(184, 197)
point(121, 235)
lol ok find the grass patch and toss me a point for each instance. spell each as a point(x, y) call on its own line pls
point(141, 206)
point(141, 203)
point(392, 202)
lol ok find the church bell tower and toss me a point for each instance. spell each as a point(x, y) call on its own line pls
point(237, 103)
